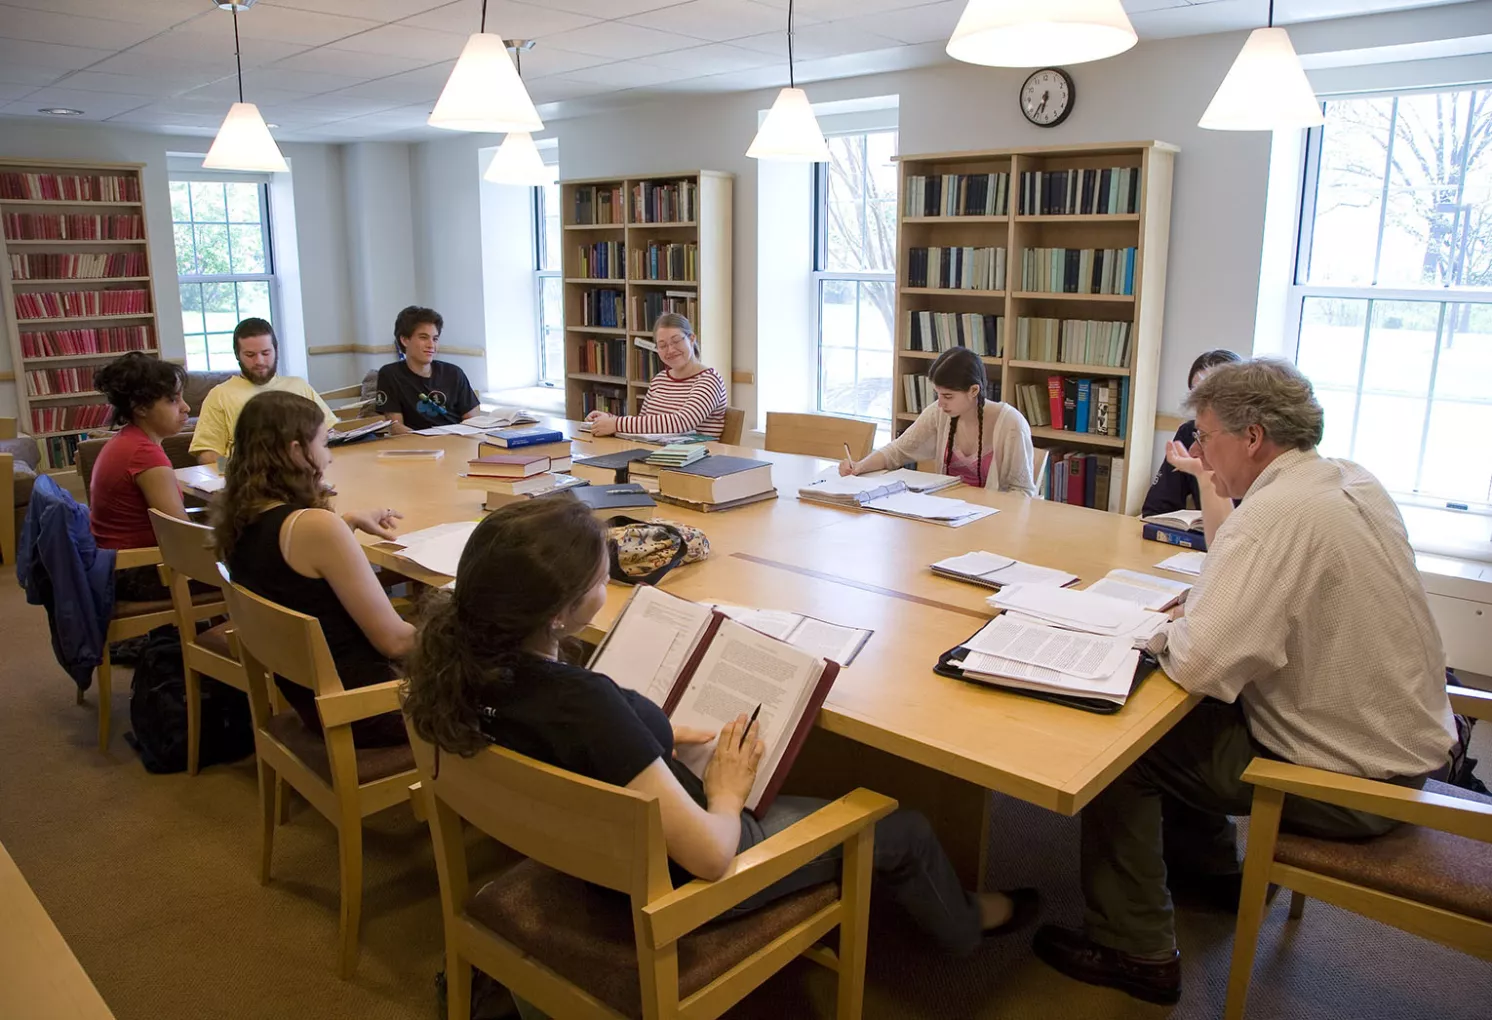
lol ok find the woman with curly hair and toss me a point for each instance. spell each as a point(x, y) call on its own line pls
point(280, 540)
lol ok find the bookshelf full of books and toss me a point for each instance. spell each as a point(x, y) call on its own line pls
point(1050, 264)
point(77, 288)
point(634, 248)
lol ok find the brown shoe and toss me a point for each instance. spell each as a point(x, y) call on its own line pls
point(1070, 951)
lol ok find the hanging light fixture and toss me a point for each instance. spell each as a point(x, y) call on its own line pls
point(484, 92)
point(517, 160)
point(1266, 88)
point(243, 142)
point(1019, 33)
point(790, 131)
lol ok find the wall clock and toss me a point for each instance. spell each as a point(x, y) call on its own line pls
point(1046, 97)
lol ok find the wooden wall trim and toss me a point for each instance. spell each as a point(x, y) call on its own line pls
point(1168, 424)
point(7, 377)
point(743, 378)
point(335, 349)
point(460, 352)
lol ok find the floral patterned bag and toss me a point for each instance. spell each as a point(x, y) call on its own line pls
point(643, 552)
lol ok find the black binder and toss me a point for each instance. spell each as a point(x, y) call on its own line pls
point(1101, 706)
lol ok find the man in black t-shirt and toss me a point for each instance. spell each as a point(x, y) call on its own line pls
point(418, 392)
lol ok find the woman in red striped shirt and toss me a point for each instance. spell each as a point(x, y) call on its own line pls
point(684, 397)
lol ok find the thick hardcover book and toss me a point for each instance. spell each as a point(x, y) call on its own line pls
point(716, 479)
point(1103, 475)
point(1054, 399)
point(516, 465)
point(1090, 479)
point(625, 500)
point(710, 508)
point(1077, 476)
point(609, 467)
point(1085, 389)
point(1174, 536)
point(1069, 403)
point(515, 438)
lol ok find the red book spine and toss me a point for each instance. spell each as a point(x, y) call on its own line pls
point(1054, 399)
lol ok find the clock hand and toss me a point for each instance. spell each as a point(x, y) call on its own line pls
point(1044, 97)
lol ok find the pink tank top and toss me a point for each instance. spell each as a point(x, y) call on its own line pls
point(967, 471)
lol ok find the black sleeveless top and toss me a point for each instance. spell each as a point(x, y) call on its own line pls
point(258, 565)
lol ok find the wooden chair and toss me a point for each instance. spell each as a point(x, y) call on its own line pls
point(83, 458)
point(573, 952)
point(7, 490)
point(735, 424)
point(130, 619)
point(344, 783)
point(1040, 459)
point(187, 555)
point(358, 409)
point(819, 435)
point(1429, 877)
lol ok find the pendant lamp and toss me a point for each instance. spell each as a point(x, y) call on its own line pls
point(1266, 89)
point(790, 131)
point(517, 160)
point(243, 142)
point(484, 92)
point(1040, 33)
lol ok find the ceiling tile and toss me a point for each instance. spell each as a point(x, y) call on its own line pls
point(628, 74)
point(15, 73)
point(402, 41)
point(308, 82)
point(410, 87)
point(35, 54)
point(376, 10)
point(504, 17)
point(347, 63)
point(96, 105)
point(732, 81)
point(551, 90)
point(716, 20)
point(813, 42)
point(929, 23)
point(215, 47)
point(546, 60)
point(834, 10)
point(9, 92)
point(161, 117)
point(138, 84)
point(47, 26)
point(603, 8)
point(164, 69)
point(619, 41)
point(715, 58)
point(281, 24)
point(163, 12)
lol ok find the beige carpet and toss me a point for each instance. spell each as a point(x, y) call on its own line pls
point(152, 881)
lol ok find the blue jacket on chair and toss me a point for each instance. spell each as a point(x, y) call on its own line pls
point(61, 567)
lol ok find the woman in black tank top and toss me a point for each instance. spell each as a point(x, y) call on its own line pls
point(273, 505)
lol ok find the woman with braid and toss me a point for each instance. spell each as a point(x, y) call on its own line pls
point(985, 443)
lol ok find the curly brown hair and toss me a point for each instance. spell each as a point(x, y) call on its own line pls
point(263, 470)
point(523, 565)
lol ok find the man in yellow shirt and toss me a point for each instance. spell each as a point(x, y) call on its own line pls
point(258, 353)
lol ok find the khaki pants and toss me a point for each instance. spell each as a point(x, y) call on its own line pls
point(1170, 809)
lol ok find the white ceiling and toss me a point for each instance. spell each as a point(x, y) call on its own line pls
point(343, 70)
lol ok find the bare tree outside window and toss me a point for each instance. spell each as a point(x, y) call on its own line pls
point(223, 263)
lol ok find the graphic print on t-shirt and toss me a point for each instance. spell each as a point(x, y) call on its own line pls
point(433, 406)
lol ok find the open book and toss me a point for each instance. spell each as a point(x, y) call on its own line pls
point(830, 640)
point(704, 669)
point(876, 493)
point(1181, 520)
point(1145, 590)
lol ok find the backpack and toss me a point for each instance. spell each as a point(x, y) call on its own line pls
point(643, 552)
point(158, 711)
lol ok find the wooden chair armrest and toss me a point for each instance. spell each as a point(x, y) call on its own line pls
point(7, 428)
point(671, 917)
point(1468, 818)
point(1468, 701)
point(346, 707)
point(125, 559)
point(342, 392)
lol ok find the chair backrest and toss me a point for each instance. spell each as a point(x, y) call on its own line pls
point(279, 640)
point(1040, 459)
point(819, 435)
point(735, 423)
point(7, 428)
point(86, 454)
point(186, 548)
point(603, 834)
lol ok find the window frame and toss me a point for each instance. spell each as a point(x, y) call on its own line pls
point(540, 247)
point(1445, 295)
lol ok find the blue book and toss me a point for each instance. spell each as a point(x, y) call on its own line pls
point(1085, 389)
point(1123, 423)
point(1174, 536)
point(515, 438)
point(1129, 270)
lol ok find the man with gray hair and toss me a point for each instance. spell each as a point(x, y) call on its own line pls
point(1309, 636)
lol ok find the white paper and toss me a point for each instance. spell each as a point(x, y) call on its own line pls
point(828, 640)
point(201, 478)
point(1030, 573)
point(438, 549)
point(456, 429)
point(776, 623)
point(1145, 598)
point(1150, 581)
point(1184, 563)
point(975, 564)
point(684, 620)
point(843, 488)
point(939, 509)
point(1076, 610)
point(917, 481)
point(636, 653)
point(1066, 651)
point(1114, 687)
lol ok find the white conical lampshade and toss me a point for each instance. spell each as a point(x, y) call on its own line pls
point(1265, 90)
point(790, 132)
point(244, 143)
point(484, 92)
point(1039, 33)
point(518, 162)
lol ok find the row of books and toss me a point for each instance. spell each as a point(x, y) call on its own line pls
point(61, 450)
point(73, 227)
point(961, 268)
point(610, 399)
point(1078, 270)
point(958, 195)
point(662, 260)
point(89, 266)
point(600, 204)
point(59, 304)
point(674, 202)
point(606, 308)
point(647, 307)
point(918, 391)
point(604, 260)
point(1086, 479)
point(63, 342)
point(1080, 192)
point(942, 331)
point(603, 357)
point(1074, 341)
point(1071, 404)
point(69, 187)
point(60, 380)
point(81, 417)
point(649, 363)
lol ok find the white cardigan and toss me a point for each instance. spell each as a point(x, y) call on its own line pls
point(1006, 434)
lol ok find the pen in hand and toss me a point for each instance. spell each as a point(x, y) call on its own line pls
point(847, 455)
point(749, 723)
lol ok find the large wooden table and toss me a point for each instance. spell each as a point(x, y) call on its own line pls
point(889, 723)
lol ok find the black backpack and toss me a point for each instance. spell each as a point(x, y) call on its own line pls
point(158, 711)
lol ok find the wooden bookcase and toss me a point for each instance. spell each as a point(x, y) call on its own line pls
point(39, 390)
point(1147, 230)
point(629, 221)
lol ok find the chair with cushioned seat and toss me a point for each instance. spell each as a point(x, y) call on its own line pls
point(187, 555)
point(1431, 876)
point(634, 947)
point(345, 783)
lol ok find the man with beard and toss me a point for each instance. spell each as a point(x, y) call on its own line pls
point(258, 353)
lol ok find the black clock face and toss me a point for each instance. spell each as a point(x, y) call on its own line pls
point(1046, 97)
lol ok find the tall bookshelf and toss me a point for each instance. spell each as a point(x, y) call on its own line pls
point(1067, 221)
point(675, 230)
point(78, 290)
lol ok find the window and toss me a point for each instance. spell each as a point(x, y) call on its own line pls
point(854, 274)
point(1394, 290)
point(225, 264)
point(550, 288)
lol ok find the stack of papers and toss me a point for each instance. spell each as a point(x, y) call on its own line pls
point(826, 640)
point(1078, 610)
point(679, 454)
point(1184, 563)
point(437, 549)
point(869, 492)
point(1050, 660)
point(1145, 590)
point(341, 435)
point(995, 571)
point(460, 428)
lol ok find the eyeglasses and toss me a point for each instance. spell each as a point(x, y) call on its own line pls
point(1203, 438)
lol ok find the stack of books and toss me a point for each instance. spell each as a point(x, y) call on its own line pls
point(1179, 527)
point(678, 454)
point(540, 442)
point(510, 477)
point(707, 484)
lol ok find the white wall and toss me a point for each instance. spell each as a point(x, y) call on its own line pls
point(509, 299)
point(380, 242)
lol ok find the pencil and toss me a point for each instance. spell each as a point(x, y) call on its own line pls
point(748, 726)
point(847, 455)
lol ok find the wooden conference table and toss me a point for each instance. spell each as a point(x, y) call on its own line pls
point(889, 723)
